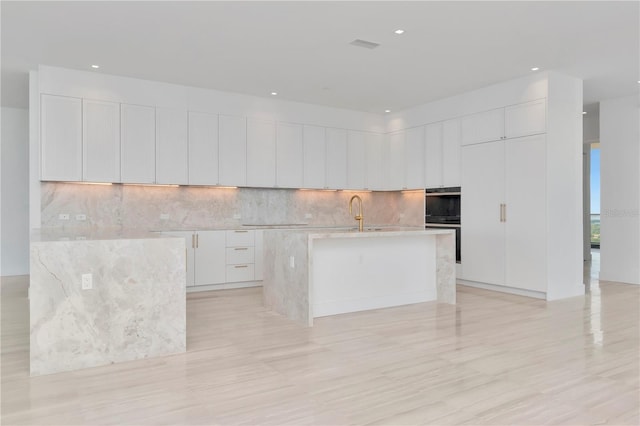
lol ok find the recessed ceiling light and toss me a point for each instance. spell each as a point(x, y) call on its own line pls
point(274, 93)
point(638, 81)
point(584, 112)
point(387, 110)
point(535, 69)
point(95, 66)
point(399, 32)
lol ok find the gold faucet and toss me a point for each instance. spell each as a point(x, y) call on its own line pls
point(359, 217)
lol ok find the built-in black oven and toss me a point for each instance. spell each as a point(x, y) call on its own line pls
point(442, 211)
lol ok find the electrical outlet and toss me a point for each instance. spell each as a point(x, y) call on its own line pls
point(237, 216)
point(164, 216)
point(81, 238)
point(63, 216)
point(81, 217)
point(87, 281)
point(292, 262)
point(308, 216)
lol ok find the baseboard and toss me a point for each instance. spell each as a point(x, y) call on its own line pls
point(225, 286)
point(504, 289)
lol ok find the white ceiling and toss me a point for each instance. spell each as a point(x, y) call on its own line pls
point(302, 51)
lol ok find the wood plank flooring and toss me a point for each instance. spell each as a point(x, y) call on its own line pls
point(493, 359)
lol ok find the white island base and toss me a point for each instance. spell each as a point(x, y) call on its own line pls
point(310, 274)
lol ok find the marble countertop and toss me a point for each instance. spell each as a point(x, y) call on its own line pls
point(372, 232)
point(42, 235)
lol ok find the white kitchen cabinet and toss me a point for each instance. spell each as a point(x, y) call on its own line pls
point(529, 118)
point(232, 141)
point(314, 161)
point(442, 154)
point(137, 144)
point(203, 148)
point(100, 141)
point(289, 156)
point(433, 155)
point(356, 160)
point(373, 154)
point(210, 257)
point(451, 162)
point(395, 158)
point(414, 158)
point(61, 138)
point(336, 160)
point(504, 213)
point(261, 153)
point(172, 159)
point(482, 127)
point(244, 255)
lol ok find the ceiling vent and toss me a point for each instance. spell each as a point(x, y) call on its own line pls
point(364, 43)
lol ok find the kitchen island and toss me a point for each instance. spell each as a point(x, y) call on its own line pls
point(101, 297)
point(314, 273)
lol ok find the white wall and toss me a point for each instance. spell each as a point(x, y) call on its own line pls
point(15, 192)
point(620, 190)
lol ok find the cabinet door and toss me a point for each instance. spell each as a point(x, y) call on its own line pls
point(210, 257)
point(189, 243)
point(482, 127)
point(336, 173)
point(314, 167)
point(233, 150)
point(61, 138)
point(395, 178)
point(355, 160)
point(451, 153)
point(172, 160)
point(203, 148)
point(414, 158)
point(100, 141)
point(261, 153)
point(137, 144)
point(373, 152)
point(483, 232)
point(529, 118)
point(525, 219)
point(433, 155)
point(289, 156)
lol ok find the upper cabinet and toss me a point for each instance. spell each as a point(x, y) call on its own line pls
point(482, 127)
point(336, 171)
point(61, 138)
point(314, 157)
point(172, 159)
point(233, 150)
point(442, 154)
point(289, 155)
point(513, 121)
point(356, 160)
point(261, 153)
point(394, 158)
point(137, 144)
point(414, 158)
point(203, 148)
point(529, 118)
point(100, 141)
point(373, 161)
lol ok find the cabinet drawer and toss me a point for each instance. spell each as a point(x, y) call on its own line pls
point(240, 238)
point(236, 273)
point(237, 255)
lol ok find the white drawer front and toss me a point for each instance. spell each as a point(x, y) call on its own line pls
point(237, 255)
point(236, 273)
point(240, 238)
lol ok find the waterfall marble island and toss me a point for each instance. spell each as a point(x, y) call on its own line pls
point(101, 297)
point(315, 273)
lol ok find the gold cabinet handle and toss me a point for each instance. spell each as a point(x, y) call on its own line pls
point(504, 214)
point(241, 248)
point(193, 241)
point(240, 232)
point(240, 266)
point(197, 240)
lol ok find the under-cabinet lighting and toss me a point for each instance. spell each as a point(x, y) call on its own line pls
point(535, 69)
point(151, 184)
point(356, 190)
point(317, 189)
point(91, 183)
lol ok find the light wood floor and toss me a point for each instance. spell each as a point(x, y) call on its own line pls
point(492, 359)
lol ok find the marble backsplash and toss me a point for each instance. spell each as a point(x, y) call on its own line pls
point(163, 208)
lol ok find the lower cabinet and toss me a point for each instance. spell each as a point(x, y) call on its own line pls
point(222, 257)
